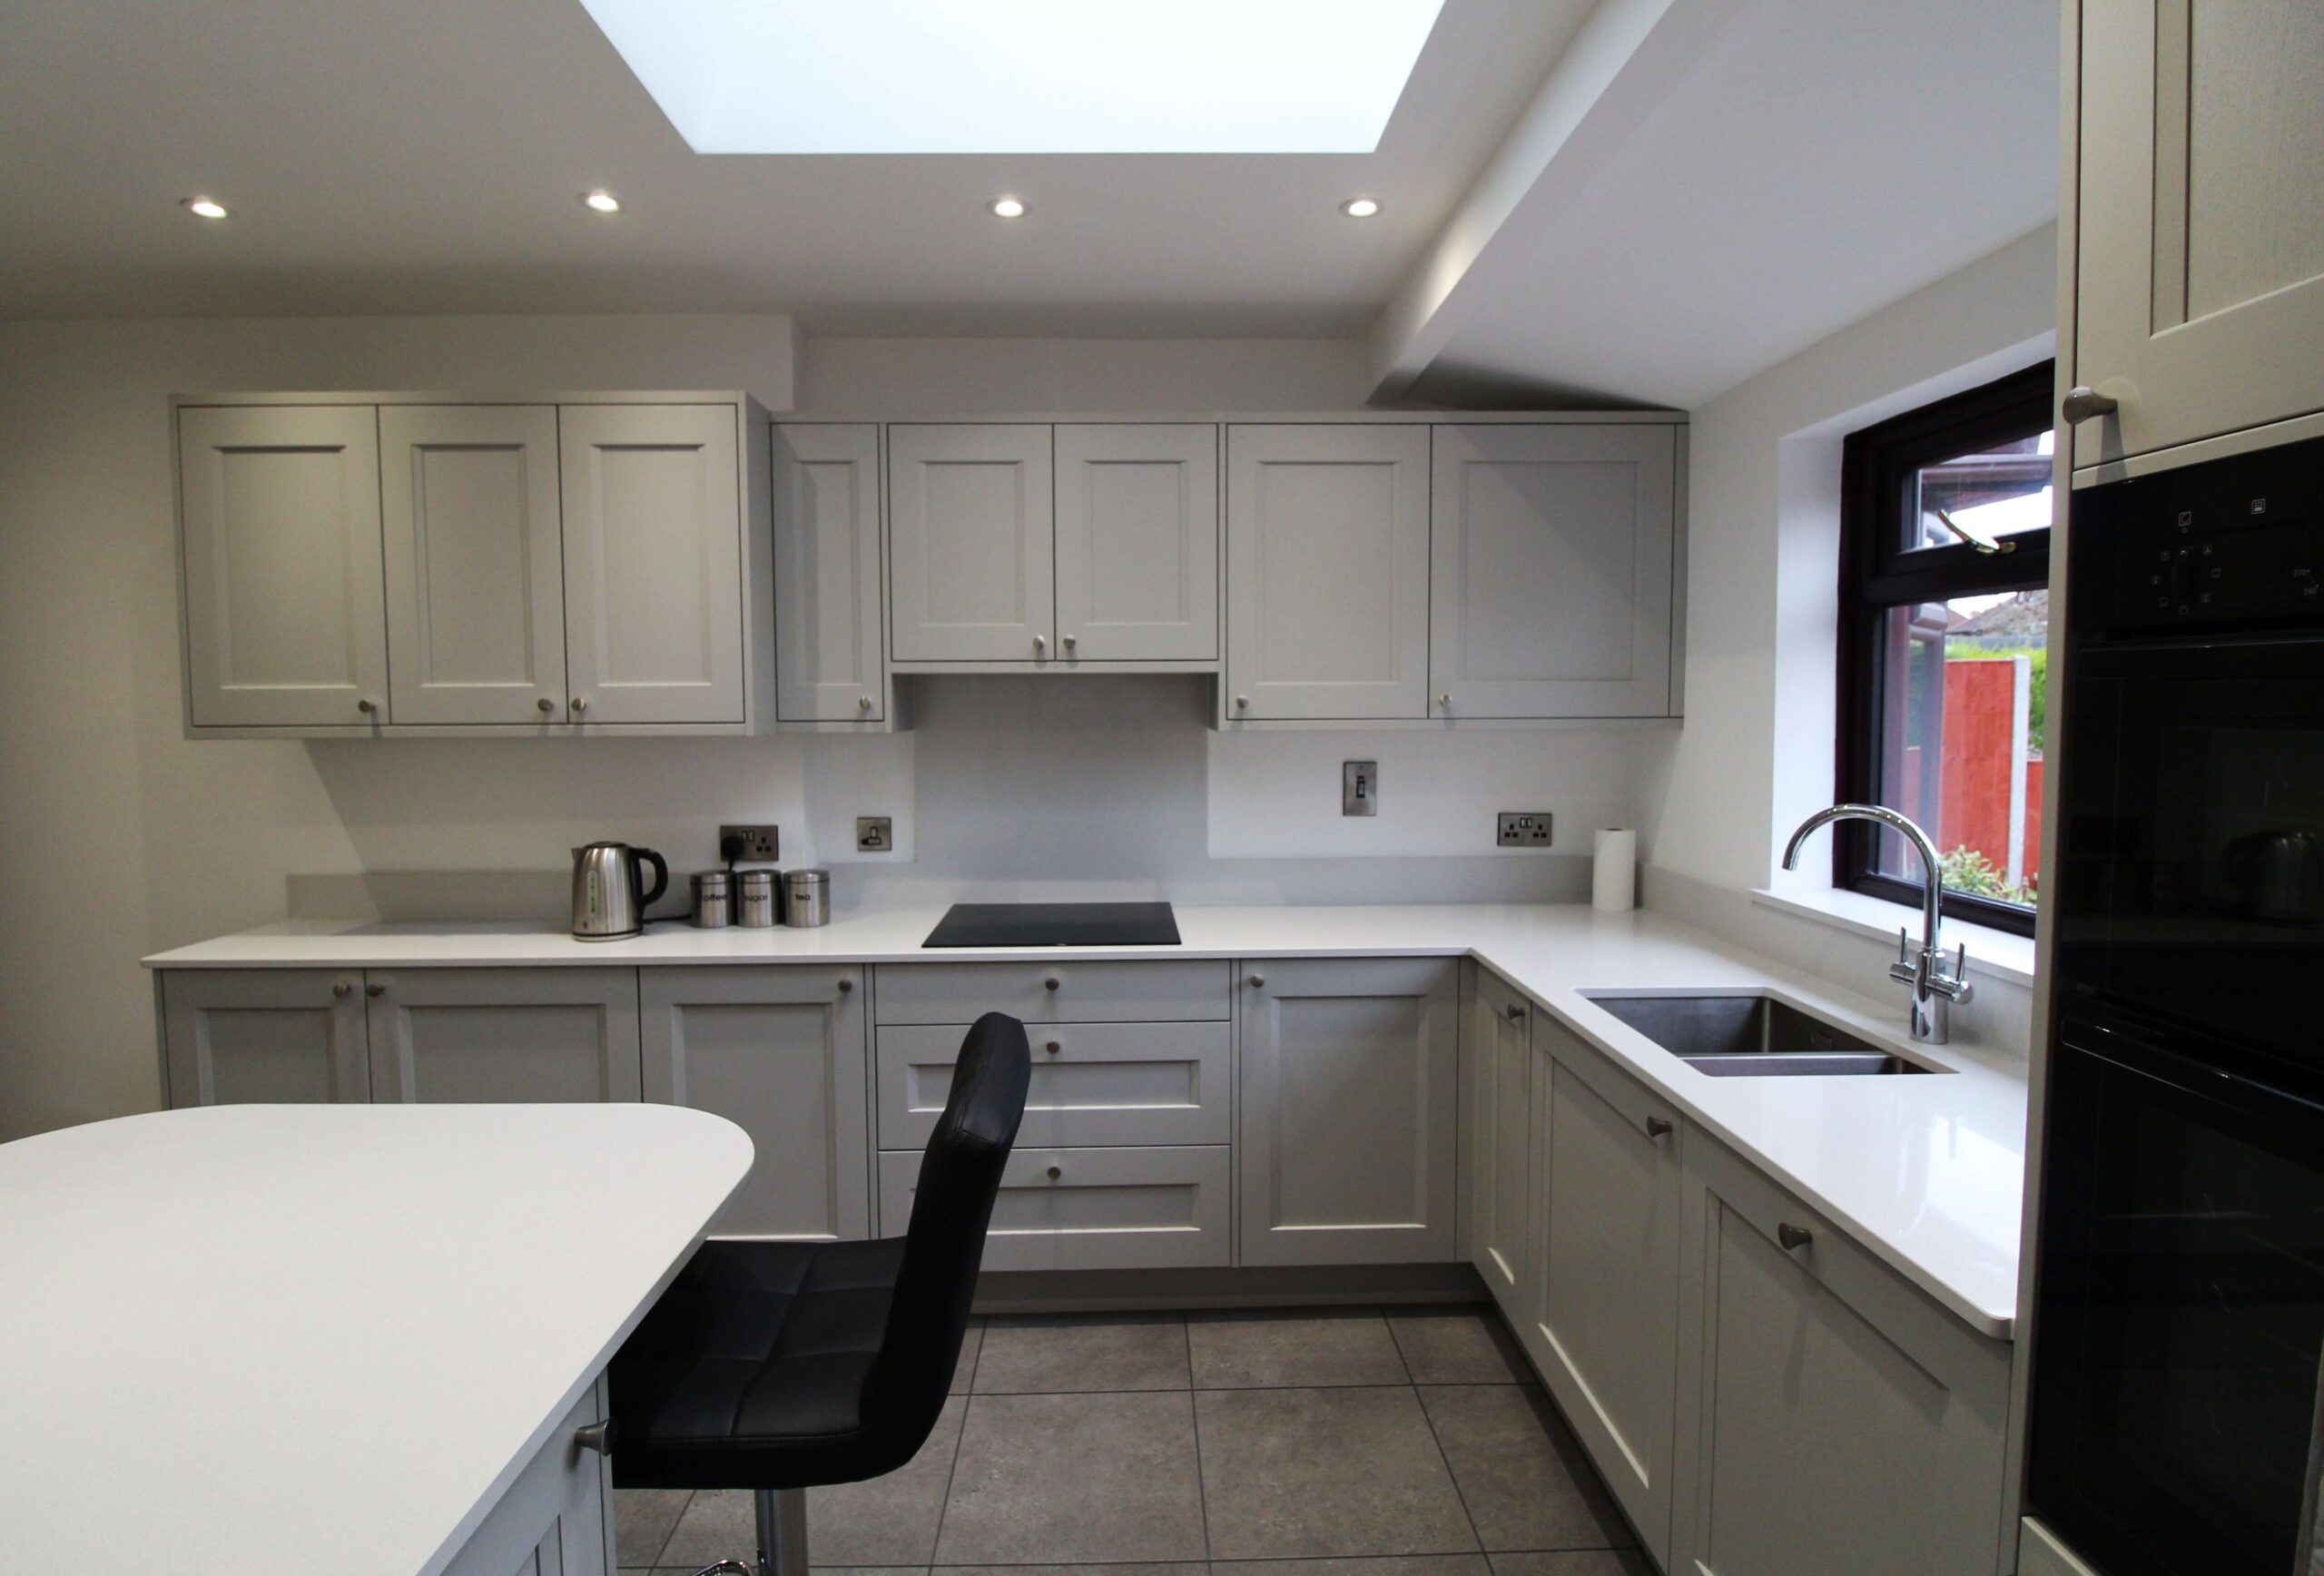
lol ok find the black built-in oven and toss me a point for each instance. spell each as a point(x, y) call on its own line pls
point(2180, 1291)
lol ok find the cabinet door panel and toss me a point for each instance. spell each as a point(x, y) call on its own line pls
point(1551, 581)
point(1609, 1341)
point(284, 620)
point(972, 576)
point(1327, 572)
point(2200, 290)
point(1497, 1071)
point(475, 563)
point(1350, 1086)
point(1093, 1084)
point(780, 1052)
point(555, 1518)
point(273, 1036)
point(654, 604)
point(1834, 1395)
point(829, 660)
point(453, 1035)
point(1141, 1208)
point(1137, 543)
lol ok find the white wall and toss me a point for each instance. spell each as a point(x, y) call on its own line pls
point(122, 838)
point(1717, 800)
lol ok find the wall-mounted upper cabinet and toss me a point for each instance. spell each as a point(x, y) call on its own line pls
point(831, 661)
point(1137, 543)
point(375, 565)
point(1326, 573)
point(969, 526)
point(2198, 244)
point(476, 563)
point(284, 620)
point(1550, 571)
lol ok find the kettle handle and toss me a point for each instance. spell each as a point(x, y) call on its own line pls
point(661, 877)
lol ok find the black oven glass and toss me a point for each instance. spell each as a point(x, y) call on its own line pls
point(2181, 1308)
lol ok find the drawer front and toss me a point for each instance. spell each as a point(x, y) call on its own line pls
point(1094, 1084)
point(1103, 1208)
point(1060, 992)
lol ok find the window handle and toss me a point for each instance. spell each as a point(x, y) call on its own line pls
point(1985, 544)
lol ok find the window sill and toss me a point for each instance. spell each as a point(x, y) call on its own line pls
point(1995, 954)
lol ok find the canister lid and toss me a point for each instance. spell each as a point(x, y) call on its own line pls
point(712, 880)
point(807, 878)
point(759, 880)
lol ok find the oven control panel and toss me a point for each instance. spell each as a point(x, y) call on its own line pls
point(2235, 541)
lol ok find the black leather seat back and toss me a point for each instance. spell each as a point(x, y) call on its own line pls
point(960, 1176)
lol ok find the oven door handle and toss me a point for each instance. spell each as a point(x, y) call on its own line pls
point(2143, 1056)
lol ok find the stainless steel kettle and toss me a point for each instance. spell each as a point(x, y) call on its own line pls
point(606, 903)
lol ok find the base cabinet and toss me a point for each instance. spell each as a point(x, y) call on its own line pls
point(503, 1034)
point(556, 1518)
point(1823, 1393)
point(1350, 1080)
point(271, 1036)
point(782, 1054)
point(1497, 1139)
point(1606, 1340)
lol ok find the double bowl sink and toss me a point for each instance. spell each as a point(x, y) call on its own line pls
point(1742, 1034)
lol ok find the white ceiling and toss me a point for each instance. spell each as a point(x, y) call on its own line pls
point(1627, 200)
point(427, 155)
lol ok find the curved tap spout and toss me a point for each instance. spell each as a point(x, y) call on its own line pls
point(1934, 986)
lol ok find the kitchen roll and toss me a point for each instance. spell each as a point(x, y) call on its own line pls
point(1613, 872)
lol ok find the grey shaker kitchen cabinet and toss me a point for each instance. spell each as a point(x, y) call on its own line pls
point(1137, 558)
point(1606, 1338)
point(555, 1518)
point(1350, 1086)
point(1150, 1207)
point(503, 1034)
point(1497, 1137)
point(655, 564)
point(1551, 582)
point(1326, 572)
point(285, 623)
point(830, 590)
point(289, 1036)
point(972, 568)
point(1832, 1419)
point(475, 554)
point(2199, 243)
point(782, 1052)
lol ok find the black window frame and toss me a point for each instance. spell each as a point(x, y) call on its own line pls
point(1879, 572)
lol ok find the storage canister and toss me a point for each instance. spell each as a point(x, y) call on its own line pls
point(809, 897)
point(757, 907)
point(713, 900)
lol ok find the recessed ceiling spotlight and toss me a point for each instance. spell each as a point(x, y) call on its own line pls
point(1008, 207)
point(1360, 207)
point(602, 201)
point(205, 207)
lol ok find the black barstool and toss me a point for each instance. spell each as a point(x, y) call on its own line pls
point(779, 1367)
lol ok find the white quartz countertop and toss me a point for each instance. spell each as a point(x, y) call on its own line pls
point(253, 1340)
point(1926, 1171)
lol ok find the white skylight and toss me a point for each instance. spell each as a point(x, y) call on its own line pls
point(1022, 76)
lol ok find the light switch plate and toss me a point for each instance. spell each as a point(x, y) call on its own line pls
point(760, 844)
point(1522, 828)
point(875, 834)
point(1360, 788)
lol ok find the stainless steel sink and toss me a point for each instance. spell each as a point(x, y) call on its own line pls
point(1736, 1034)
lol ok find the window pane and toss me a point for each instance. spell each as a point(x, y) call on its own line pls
point(1997, 492)
point(1964, 687)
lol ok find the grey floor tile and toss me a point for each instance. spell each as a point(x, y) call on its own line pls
point(1317, 1348)
point(815, 1570)
point(1383, 1565)
point(971, 1344)
point(1164, 1568)
point(1075, 1479)
point(1521, 1472)
point(1051, 1357)
point(1575, 1562)
point(888, 1522)
point(642, 1522)
point(1459, 1346)
point(1291, 1473)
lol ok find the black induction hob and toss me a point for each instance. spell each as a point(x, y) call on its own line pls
point(1056, 925)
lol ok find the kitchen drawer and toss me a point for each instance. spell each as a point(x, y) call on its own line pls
point(1118, 1208)
point(1093, 1083)
point(1065, 992)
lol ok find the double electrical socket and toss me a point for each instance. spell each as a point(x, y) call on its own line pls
point(1522, 828)
point(750, 844)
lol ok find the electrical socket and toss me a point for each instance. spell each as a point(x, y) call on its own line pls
point(875, 834)
point(750, 844)
point(1522, 828)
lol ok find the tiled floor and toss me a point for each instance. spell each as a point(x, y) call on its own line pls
point(1331, 1442)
